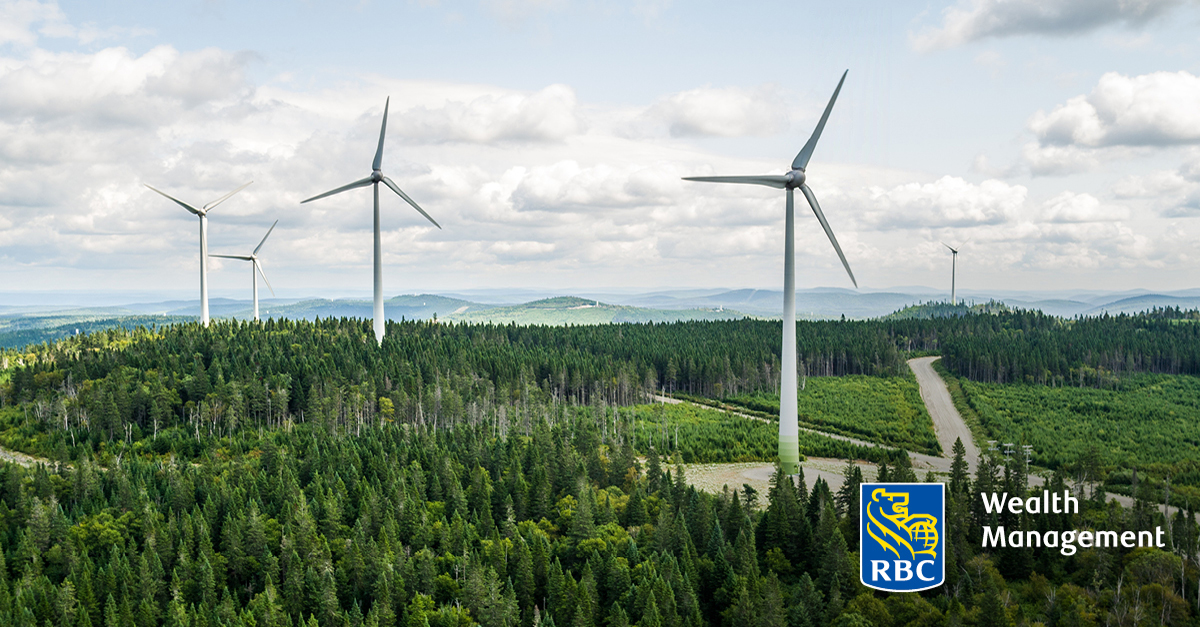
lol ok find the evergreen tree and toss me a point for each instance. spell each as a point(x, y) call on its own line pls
point(616, 617)
point(960, 481)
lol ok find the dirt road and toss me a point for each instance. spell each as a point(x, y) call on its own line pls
point(714, 477)
point(947, 422)
point(21, 458)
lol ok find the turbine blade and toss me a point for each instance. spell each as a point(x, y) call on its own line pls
point(264, 239)
point(801, 160)
point(359, 183)
point(387, 181)
point(258, 266)
point(378, 162)
point(225, 197)
point(950, 247)
point(777, 181)
point(812, 202)
point(177, 201)
point(242, 257)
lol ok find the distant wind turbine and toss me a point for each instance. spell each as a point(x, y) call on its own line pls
point(789, 451)
point(953, 271)
point(202, 213)
point(375, 179)
point(253, 259)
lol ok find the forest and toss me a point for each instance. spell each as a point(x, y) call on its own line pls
point(887, 410)
point(564, 526)
point(283, 360)
point(294, 473)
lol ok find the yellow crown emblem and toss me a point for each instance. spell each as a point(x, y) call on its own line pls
point(916, 533)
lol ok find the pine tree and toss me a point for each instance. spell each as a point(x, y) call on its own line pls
point(616, 616)
point(960, 481)
point(583, 525)
point(651, 616)
point(635, 508)
point(419, 610)
point(804, 610)
point(903, 472)
point(653, 471)
point(848, 502)
point(771, 610)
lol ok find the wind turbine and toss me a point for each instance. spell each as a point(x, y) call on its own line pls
point(202, 213)
point(953, 271)
point(789, 451)
point(253, 259)
point(374, 180)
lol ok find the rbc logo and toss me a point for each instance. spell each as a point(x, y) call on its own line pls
point(901, 538)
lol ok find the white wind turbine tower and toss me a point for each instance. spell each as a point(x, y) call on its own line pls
point(202, 213)
point(253, 259)
point(953, 271)
point(374, 180)
point(789, 452)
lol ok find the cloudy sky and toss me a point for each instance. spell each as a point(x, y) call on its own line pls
point(1059, 139)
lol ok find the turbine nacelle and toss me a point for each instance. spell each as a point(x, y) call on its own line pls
point(795, 178)
point(376, 176)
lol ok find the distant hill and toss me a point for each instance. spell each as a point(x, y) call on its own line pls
point(1055, 307)
point(23, 323)
point(574, 310)
point(926, 311)
point(408, 307)
point(812, 304)
point(19, 328)
point(16, 337)
point(1145, 302)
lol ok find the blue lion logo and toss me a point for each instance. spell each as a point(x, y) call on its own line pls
point(890, 524)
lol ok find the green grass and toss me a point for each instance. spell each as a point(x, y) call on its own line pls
point(708, 436)
point(887, 410)
point(1148, 419)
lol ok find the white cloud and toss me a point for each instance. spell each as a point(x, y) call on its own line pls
point(1072, 207)
point(947, 202)
point(532, 187)
point(1190, 171)
point(1188, 208)
point(974, 20)
point(18, 18)
point(522, 250)
point(1149, 110)
point(1152, 185)
point(1058, 160)
point(200, 77)
point(22, 22)
point(1120, 115)
point(719, 112)
point(551, 114)
point(114, 87)
point(568, 186)
point(1174, 193)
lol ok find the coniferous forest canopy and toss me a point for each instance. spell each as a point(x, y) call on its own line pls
point(294, 473)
